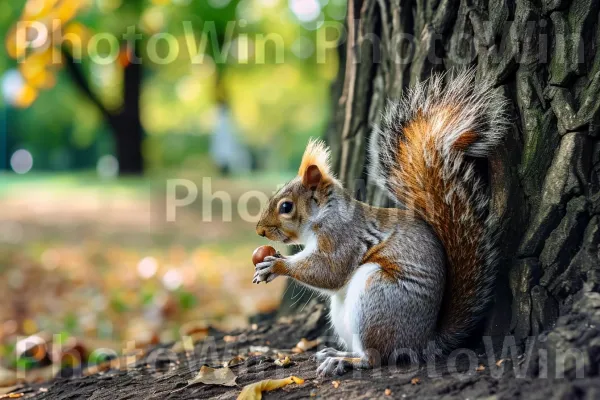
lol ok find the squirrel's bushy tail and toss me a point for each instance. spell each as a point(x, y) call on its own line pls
point(418, 154)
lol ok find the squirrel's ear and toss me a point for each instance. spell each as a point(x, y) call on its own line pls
point(312, 177)
point(314, 167)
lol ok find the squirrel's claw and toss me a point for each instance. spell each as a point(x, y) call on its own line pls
point(335, 362)
point(263, 271)
point(263, 265)
point(332, 366)
point(326, 353)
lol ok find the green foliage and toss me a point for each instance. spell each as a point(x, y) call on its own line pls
point(187, 300)
point(271, 101)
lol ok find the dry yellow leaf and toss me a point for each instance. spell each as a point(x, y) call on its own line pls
point(26, 96)
point(194, 328)
point(211, 376)
point(480, 368)
point(336, 384)
point(254, 390)
point(229, 338)
point(305, 345)
point(75, 29)
point(388, 392)
point(415, 381)
point(5, 390)
point(283, 362)
point(500, 362)
point(38, 9)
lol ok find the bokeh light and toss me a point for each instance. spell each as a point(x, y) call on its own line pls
point(108, 5)
point(21, 161)
point(16, 91)
point(172, 279)
point(303, 47)
point(305, 10)
point(147, 267)
point(107, 167)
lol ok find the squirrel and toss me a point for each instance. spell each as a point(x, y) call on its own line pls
point(399, 279)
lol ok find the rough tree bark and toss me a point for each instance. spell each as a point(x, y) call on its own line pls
point(544, 180)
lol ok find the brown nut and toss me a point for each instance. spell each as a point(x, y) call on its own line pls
point(261, 252)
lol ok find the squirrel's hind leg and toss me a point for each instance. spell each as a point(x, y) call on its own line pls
point(345, 315)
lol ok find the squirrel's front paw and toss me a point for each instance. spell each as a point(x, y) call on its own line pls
point(264, 270)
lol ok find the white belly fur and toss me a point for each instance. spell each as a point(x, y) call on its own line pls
point(344, 308)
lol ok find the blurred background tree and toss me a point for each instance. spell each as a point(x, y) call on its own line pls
point(125, 87)
point(146, 95)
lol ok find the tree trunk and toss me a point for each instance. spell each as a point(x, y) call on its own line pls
point(128, 132)
point(125, 123)
point(544, 180)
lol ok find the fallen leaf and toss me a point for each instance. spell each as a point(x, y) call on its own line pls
point(186, 344)
point(259, 349)
point(194, 328)
point(198, 336)
point(388, 392)
point(480, 368)
point(415, 381)
point(121, 363)
point(5, 390)
point(100, 367)
point(254, 390)
point(336, 384)
point(211, 376)
point(237, 360)
point(283, 362)
point(12, 396)
point(229, 338)
point(500, 362)
point(305, 345)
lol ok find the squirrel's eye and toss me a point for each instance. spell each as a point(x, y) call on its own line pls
point(286, 207)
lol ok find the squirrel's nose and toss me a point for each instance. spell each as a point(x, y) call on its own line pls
point(261, 231)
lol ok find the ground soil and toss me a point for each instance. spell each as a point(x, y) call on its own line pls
point(529, 372)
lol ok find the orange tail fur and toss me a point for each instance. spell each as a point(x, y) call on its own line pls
point(418, 155)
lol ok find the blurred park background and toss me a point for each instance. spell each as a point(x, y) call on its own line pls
point(92, 128)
